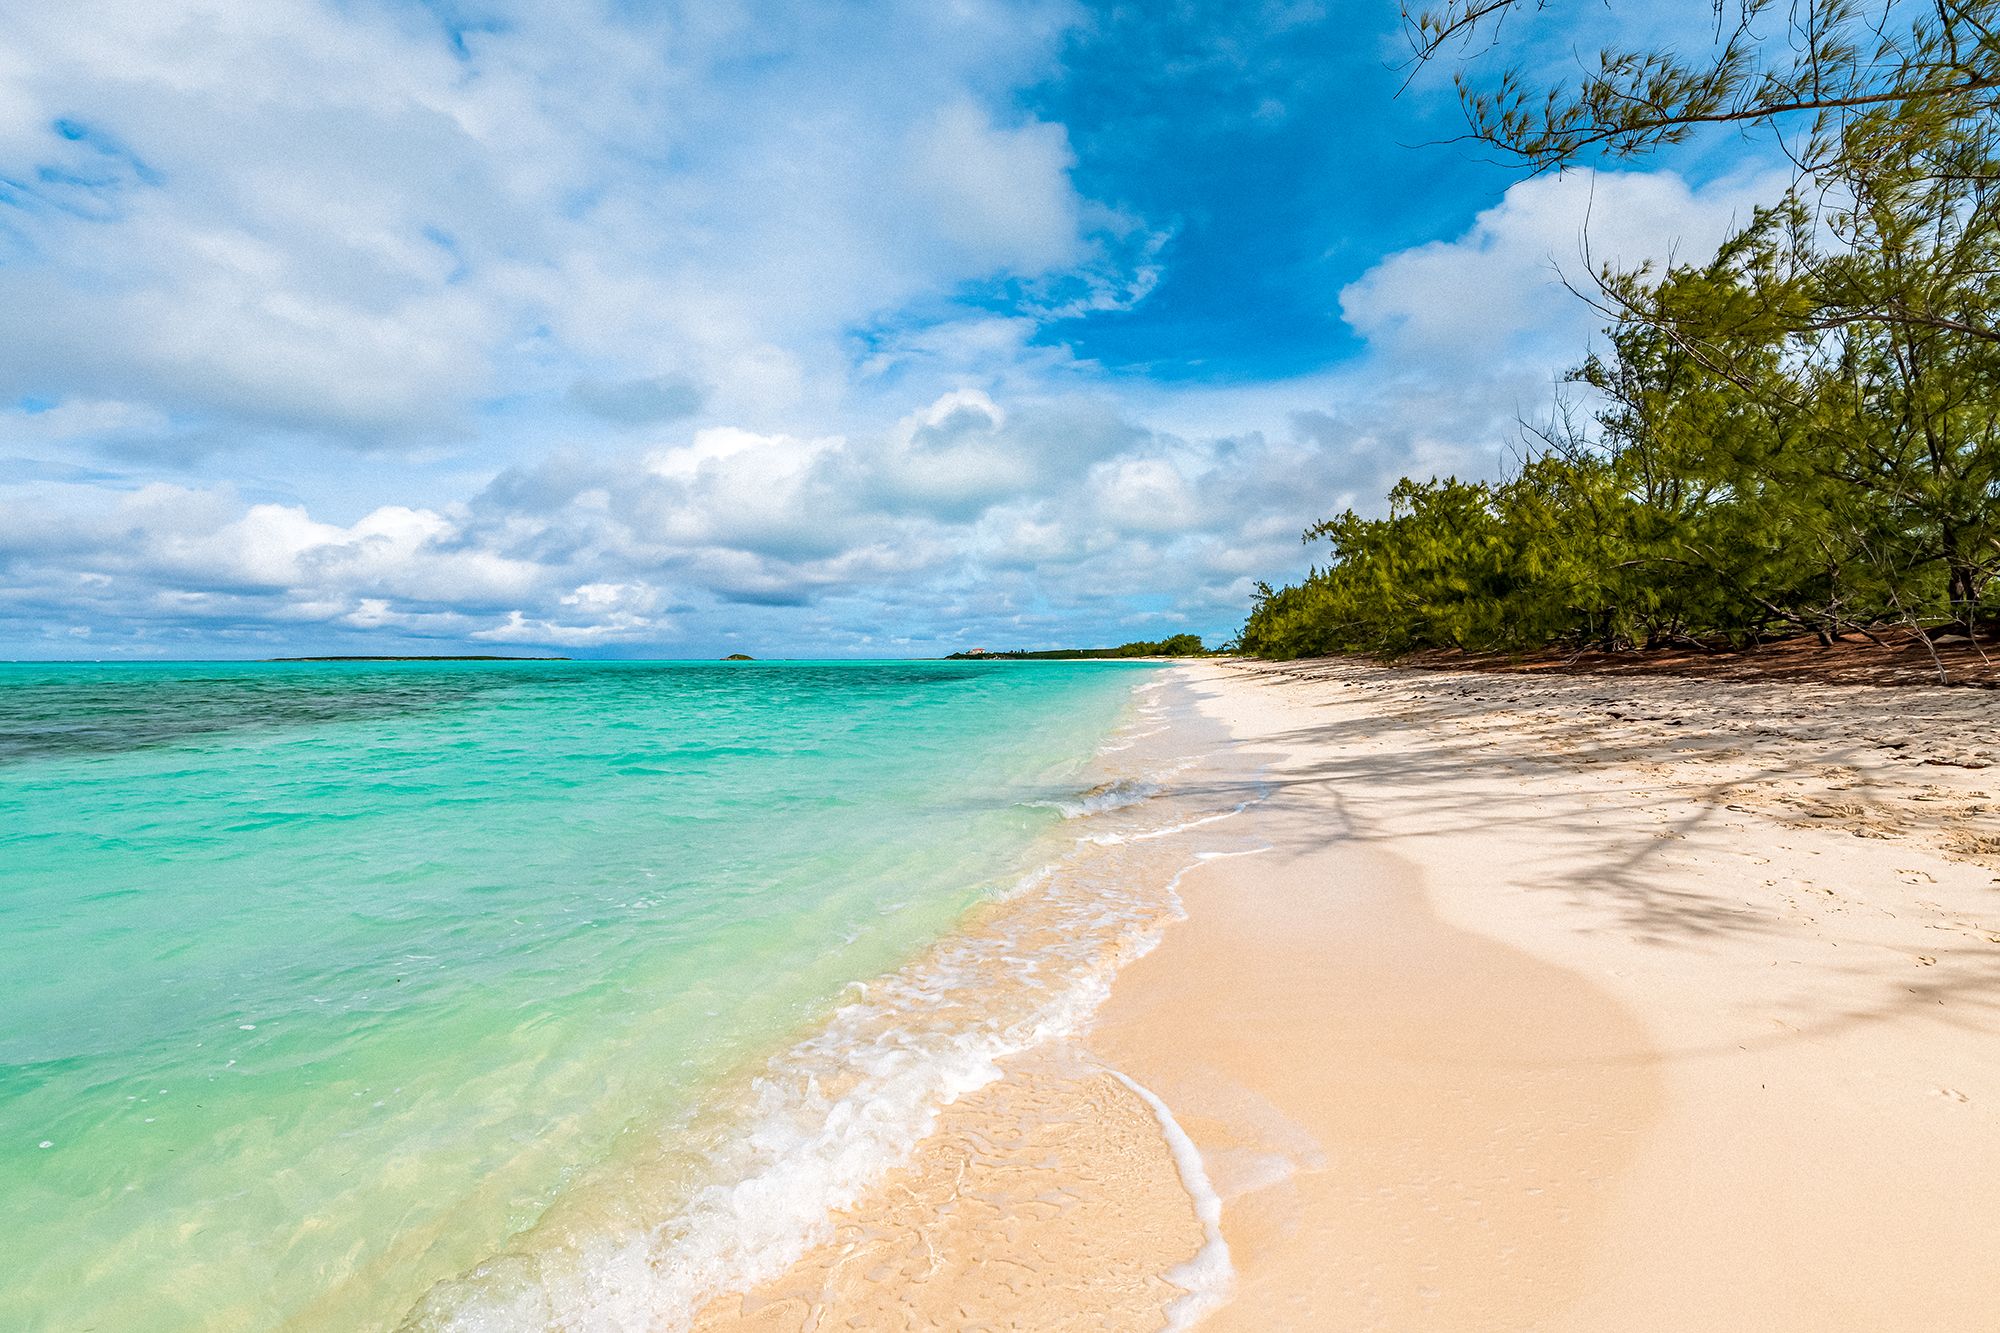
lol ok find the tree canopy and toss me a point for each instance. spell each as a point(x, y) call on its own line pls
point(1799, 67)
point(1801, 434)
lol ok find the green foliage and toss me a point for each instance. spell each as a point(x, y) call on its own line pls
point(1802, 434)
point(1754, 466)
point(1797, 69)
point(1176, 645)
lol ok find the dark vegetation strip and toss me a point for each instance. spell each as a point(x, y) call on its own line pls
point(1800, 437)
point(1177, 645)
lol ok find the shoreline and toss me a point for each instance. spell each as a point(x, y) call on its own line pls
point(1568, 1004)
point(1410, 1125)
point(956, 1064)
point(734, 1188)
point(1055, 1193)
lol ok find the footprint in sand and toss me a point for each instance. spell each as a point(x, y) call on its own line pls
point(1953, 1094)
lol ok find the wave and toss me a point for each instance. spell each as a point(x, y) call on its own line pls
point(1147, 835)
point(1105, 797)
point(1206, 1279)
point(824, 1122)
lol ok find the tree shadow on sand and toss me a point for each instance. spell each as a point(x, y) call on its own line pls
point(1435, 744)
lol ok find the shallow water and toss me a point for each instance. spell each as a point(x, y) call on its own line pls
point(323, 984)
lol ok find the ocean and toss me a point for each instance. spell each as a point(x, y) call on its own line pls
point(502, 995)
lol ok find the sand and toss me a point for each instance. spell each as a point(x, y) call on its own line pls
point(1556, 1003)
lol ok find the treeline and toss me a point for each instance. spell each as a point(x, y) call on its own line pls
point(1799, 436)
point(1176, 645)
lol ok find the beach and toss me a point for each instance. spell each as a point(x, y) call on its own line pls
point(1526, 1001)
point(512, 995)
point(1015, 995)
point(1046, 666)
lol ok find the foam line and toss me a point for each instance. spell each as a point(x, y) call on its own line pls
point(1207, 1279)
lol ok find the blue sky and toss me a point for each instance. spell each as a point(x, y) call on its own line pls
point(659, 329)
point(1260, 137)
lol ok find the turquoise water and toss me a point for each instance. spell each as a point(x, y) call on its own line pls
point(320, 981)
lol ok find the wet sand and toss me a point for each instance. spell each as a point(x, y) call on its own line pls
point(1047, 1200)
point(1579, 1004)
point(1410, 1126)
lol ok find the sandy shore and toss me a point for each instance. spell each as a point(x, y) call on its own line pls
point(1518, 1002)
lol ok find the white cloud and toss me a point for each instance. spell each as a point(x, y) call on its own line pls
point(623, 303)
point(80, 419)
point(1143, 495)
point(1050, 508)
point(1002, 196)
point(1502, 281)
point(298, 215)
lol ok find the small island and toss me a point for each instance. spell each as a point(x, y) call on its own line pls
point(739, 657)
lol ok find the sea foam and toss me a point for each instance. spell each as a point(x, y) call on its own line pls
point(1102, 799)
point(826, 1121)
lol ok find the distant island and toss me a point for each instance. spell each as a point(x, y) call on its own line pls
point(1178, 645)
point(438, 657)
point(739, 657)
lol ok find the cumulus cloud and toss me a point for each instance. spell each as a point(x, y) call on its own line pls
point(1056, 509)
point(1001, 195)
point(353, 220)
point(1502, 282)
point(970, 518)
point(666, 327)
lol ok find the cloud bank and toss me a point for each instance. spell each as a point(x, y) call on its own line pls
point(380, 327)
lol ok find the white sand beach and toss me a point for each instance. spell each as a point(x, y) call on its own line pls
point(1548, 1002)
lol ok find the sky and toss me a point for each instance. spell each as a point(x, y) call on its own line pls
point(624, 329)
